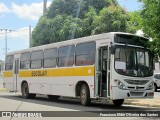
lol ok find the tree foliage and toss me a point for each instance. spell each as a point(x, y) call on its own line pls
point(70, 7)
point(151, 21)
point(68, 19)
point(110, 19)
point(135, 22)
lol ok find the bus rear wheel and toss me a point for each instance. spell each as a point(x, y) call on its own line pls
point(118, 102)
point(85, 95)
point(25, 92)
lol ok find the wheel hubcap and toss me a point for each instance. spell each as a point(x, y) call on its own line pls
point(25, 91)
point(83, 95)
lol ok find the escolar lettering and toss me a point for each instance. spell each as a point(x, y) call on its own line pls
point(39, 73)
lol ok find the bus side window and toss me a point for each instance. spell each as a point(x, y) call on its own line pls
point(50, 58)
point(85, 53)
point(25, 60)
point(9, 62)
point(66, 56)
point(36, 59)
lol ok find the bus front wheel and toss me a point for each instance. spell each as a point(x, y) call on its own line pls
point(118, 102)
point(85, 95)
point(25, 92)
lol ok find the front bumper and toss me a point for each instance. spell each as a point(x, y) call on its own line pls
point(130, 94)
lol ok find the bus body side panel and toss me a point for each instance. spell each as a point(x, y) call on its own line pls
point(86, 74)
point(8, 80)
point(57, 81)
point(37, 84)
point(63, 86)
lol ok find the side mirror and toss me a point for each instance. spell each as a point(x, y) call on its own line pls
point(112, 49)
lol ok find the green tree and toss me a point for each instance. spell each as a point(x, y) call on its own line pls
point(110, 19)
point(151, 21)
point(68, 19)
point(70, 7)
point(47, 30)
point(88, 22)
point(135, 22)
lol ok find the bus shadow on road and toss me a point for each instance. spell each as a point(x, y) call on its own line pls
point(70, 103)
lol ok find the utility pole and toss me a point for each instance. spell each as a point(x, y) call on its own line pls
point(77, 15)
point(44, 7)
point(30, 36)
point(6, 30)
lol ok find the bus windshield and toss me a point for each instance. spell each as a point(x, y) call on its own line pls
point(133, 62)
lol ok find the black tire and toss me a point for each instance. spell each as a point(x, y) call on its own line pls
point(85, 95)
point(25, 92)
point(53, 97)
point(118, 102)
point(155, 88)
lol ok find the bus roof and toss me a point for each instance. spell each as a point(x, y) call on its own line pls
point(73, 41)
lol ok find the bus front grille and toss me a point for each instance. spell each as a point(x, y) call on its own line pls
point(136, 93)
point(136, 82)
point(134, 88)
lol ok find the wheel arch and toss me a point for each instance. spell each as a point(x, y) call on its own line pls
point(155, 87)
point(78, 87)
point(155, 84)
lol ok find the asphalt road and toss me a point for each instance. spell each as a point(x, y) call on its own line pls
point(14, 102)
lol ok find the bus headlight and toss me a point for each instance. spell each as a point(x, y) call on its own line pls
point(120, 84)
point(150, 86)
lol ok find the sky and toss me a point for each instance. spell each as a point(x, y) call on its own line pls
point(17, 15)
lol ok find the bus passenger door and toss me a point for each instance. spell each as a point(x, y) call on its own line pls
point(15, 75)
point(101, 81)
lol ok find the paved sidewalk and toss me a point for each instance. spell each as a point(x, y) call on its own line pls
point(1, 88)
point(155, 102)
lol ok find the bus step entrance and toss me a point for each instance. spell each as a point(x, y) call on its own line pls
point(104, 91)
